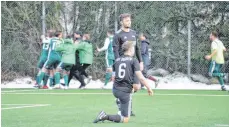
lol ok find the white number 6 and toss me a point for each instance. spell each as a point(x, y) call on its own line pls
point(121, 73)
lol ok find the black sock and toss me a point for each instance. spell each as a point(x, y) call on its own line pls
point(114, 118)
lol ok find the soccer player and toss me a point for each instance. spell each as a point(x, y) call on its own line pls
point(123, 35)
point(68, 57)
point(109, 55)
point(77, 37)
point(43, 57)
point(125, 68)
point(85, 49)
point(54, 58)
point(217, 58)
point(145, 57)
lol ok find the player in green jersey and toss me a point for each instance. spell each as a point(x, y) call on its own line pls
point(109, 55)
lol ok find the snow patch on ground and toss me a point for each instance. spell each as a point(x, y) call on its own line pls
point(173, 81)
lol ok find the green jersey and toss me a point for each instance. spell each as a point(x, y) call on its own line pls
point(53, 44)
point(108, 48)
point(45, 47)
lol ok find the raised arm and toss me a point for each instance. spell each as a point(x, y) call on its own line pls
point(105, 46)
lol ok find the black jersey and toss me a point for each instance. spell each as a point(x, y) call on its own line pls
point(125, 67)
point(120, 38)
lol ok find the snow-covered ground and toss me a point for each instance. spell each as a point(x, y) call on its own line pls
point(179, 81)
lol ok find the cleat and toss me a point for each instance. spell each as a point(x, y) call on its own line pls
point(156, 83)
point(101, 117)
point(132, 114)
point(65, 87)
point(223, 88)
point(82, 87)
point(57, 86)
point(45, 87)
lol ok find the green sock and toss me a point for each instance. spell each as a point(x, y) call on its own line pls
point(50, 81)
point(57, 78)
point(66, 80)
point(46, 79)
point(221, 81)
point(107, 77)
point(37, 79)
point(41, 77)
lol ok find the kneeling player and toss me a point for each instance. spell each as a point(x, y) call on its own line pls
point(125, 68)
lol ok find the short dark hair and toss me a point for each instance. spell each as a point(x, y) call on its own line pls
point(110, 32)
point(125, 15)
point(69, 36)
point(57, 33)
point(142, 34)
point(79, 33)
point(214, 33)
point(50, 33)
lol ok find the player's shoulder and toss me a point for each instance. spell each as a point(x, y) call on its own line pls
point(133, 31)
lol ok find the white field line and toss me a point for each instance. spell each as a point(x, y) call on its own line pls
point(157, 94)
point(24, 104)
point(28, 106)
point(222, 125)
point(10, 91)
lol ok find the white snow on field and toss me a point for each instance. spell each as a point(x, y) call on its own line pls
point(179, 81)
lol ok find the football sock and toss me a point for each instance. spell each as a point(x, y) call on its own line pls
point(66, 80)
point(107, 77)
point(51, 81)
point(57, 78)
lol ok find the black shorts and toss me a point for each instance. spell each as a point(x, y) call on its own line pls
point(125, 100)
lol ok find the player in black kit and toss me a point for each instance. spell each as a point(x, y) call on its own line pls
point(125, 68)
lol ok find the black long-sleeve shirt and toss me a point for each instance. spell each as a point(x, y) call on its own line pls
point(120, 38)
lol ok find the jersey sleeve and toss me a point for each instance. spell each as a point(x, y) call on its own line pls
point(116, 46)
point(214, 45)
point(105, 46)
point(136, 65)
point(138, 52)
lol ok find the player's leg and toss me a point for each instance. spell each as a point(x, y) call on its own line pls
point(125, 99)
point(217, 73)
point(83, 72)
point(108, 75)
point(66, 73)
point(57, 74)
point(44, 71)
point(150, 77)
point(51, 77)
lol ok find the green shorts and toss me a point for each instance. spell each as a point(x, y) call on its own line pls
point(109, 63)
point(52, 62)
point(41, 62)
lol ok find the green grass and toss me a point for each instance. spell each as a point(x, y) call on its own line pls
point(164, 109)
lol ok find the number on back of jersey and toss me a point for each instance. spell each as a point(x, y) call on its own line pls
point(122, 70)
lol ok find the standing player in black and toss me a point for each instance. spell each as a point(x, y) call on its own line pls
point(123, 35)
point(125, 68)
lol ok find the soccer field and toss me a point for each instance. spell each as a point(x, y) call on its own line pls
point(78, 108)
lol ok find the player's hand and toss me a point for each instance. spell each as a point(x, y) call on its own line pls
point(97, 48)
point(113, 78)
point(207, 57)
point(150, 92)
point(141, 66)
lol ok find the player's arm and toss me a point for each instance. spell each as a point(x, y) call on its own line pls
point(105, 46)
point(60, 48)
point(214, 47)
point(116, 46)
point(140, 76)
point(138, 53)
point(79, 46)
